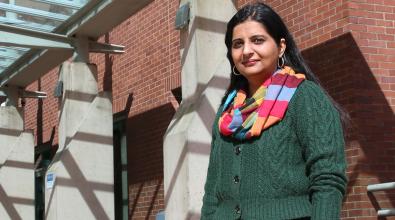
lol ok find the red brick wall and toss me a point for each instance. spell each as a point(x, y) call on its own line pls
point(370, 154)
point(145, 133)
point(150, 68)
point(42, 115)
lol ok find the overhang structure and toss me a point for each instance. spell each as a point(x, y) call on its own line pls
point(38, 35)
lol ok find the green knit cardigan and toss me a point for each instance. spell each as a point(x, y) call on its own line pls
point(295, 169)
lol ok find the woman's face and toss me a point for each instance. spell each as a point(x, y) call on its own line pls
point(254, 52)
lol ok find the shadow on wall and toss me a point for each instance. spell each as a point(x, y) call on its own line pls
point(145, 160)
point(346, 75)
point(108, 65)
point(206, 114)
point(85, 187)
point(10, 203)
point(201, 23)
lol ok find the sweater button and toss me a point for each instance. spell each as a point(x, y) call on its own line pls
point(237, 150)
point(236, 179)
point(237, 210)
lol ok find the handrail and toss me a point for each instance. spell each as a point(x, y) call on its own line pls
point(382, 187)
point(386, 212)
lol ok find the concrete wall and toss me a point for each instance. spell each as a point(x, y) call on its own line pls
point(205, 72)
point(82, 169)
point(16, 165)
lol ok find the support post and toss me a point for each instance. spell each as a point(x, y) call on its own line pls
point(16, 161)
point(79, 182)
point(204, 75)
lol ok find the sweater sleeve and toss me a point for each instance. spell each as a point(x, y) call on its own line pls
point(320, 132)
point(210, 199)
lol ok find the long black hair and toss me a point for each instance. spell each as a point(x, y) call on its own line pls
point(276, 28)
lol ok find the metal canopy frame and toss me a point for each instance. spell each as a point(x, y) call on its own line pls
point(29, 50)
point(13, 36)
point(33, 12)
point(69, 4)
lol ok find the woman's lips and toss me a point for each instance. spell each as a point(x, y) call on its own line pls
point(249, 62)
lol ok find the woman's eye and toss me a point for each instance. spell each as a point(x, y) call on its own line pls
point(237, 44)
point(258, 40)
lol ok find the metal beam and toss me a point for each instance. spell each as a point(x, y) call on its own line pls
point(32, 12)
point(33, 33)
point(27, 32)
point(26, 24)
point(12, 36)
point(32, 66)
point(96, 47)
point(66, 4)
point(21, 40)
point(32, 94)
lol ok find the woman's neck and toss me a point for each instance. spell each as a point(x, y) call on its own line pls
point(255, 82)
point(253, 87)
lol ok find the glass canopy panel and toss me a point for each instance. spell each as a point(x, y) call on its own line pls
point(39, 15)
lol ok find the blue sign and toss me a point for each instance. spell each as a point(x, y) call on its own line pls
point(50, 180)
point(160, 215)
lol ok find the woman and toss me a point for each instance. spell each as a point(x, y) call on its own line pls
point(278, 149)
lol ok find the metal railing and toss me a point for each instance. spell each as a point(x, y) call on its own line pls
point(382, 187)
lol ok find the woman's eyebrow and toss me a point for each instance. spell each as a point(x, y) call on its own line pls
point(258, 35)
point(253, 35)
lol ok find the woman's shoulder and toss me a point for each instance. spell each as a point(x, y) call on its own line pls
point(310, 94)
point(307, 86)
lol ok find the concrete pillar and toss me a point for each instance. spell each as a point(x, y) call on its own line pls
point(79, 182)
point(205, 73)
point(16, 162)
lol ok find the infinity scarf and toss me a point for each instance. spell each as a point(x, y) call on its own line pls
point(247, 118)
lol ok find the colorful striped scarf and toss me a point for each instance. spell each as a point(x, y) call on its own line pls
point(247, 118)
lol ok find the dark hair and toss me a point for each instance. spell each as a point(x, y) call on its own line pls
point(276, 28)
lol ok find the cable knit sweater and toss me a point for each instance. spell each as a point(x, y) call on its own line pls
point(295, 169)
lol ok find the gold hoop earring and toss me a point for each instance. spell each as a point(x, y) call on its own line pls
point(234, 72)
point(282, 62)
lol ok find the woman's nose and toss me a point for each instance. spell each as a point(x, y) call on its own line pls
point(247, 49)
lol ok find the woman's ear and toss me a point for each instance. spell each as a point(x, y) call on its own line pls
point(282, 47)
